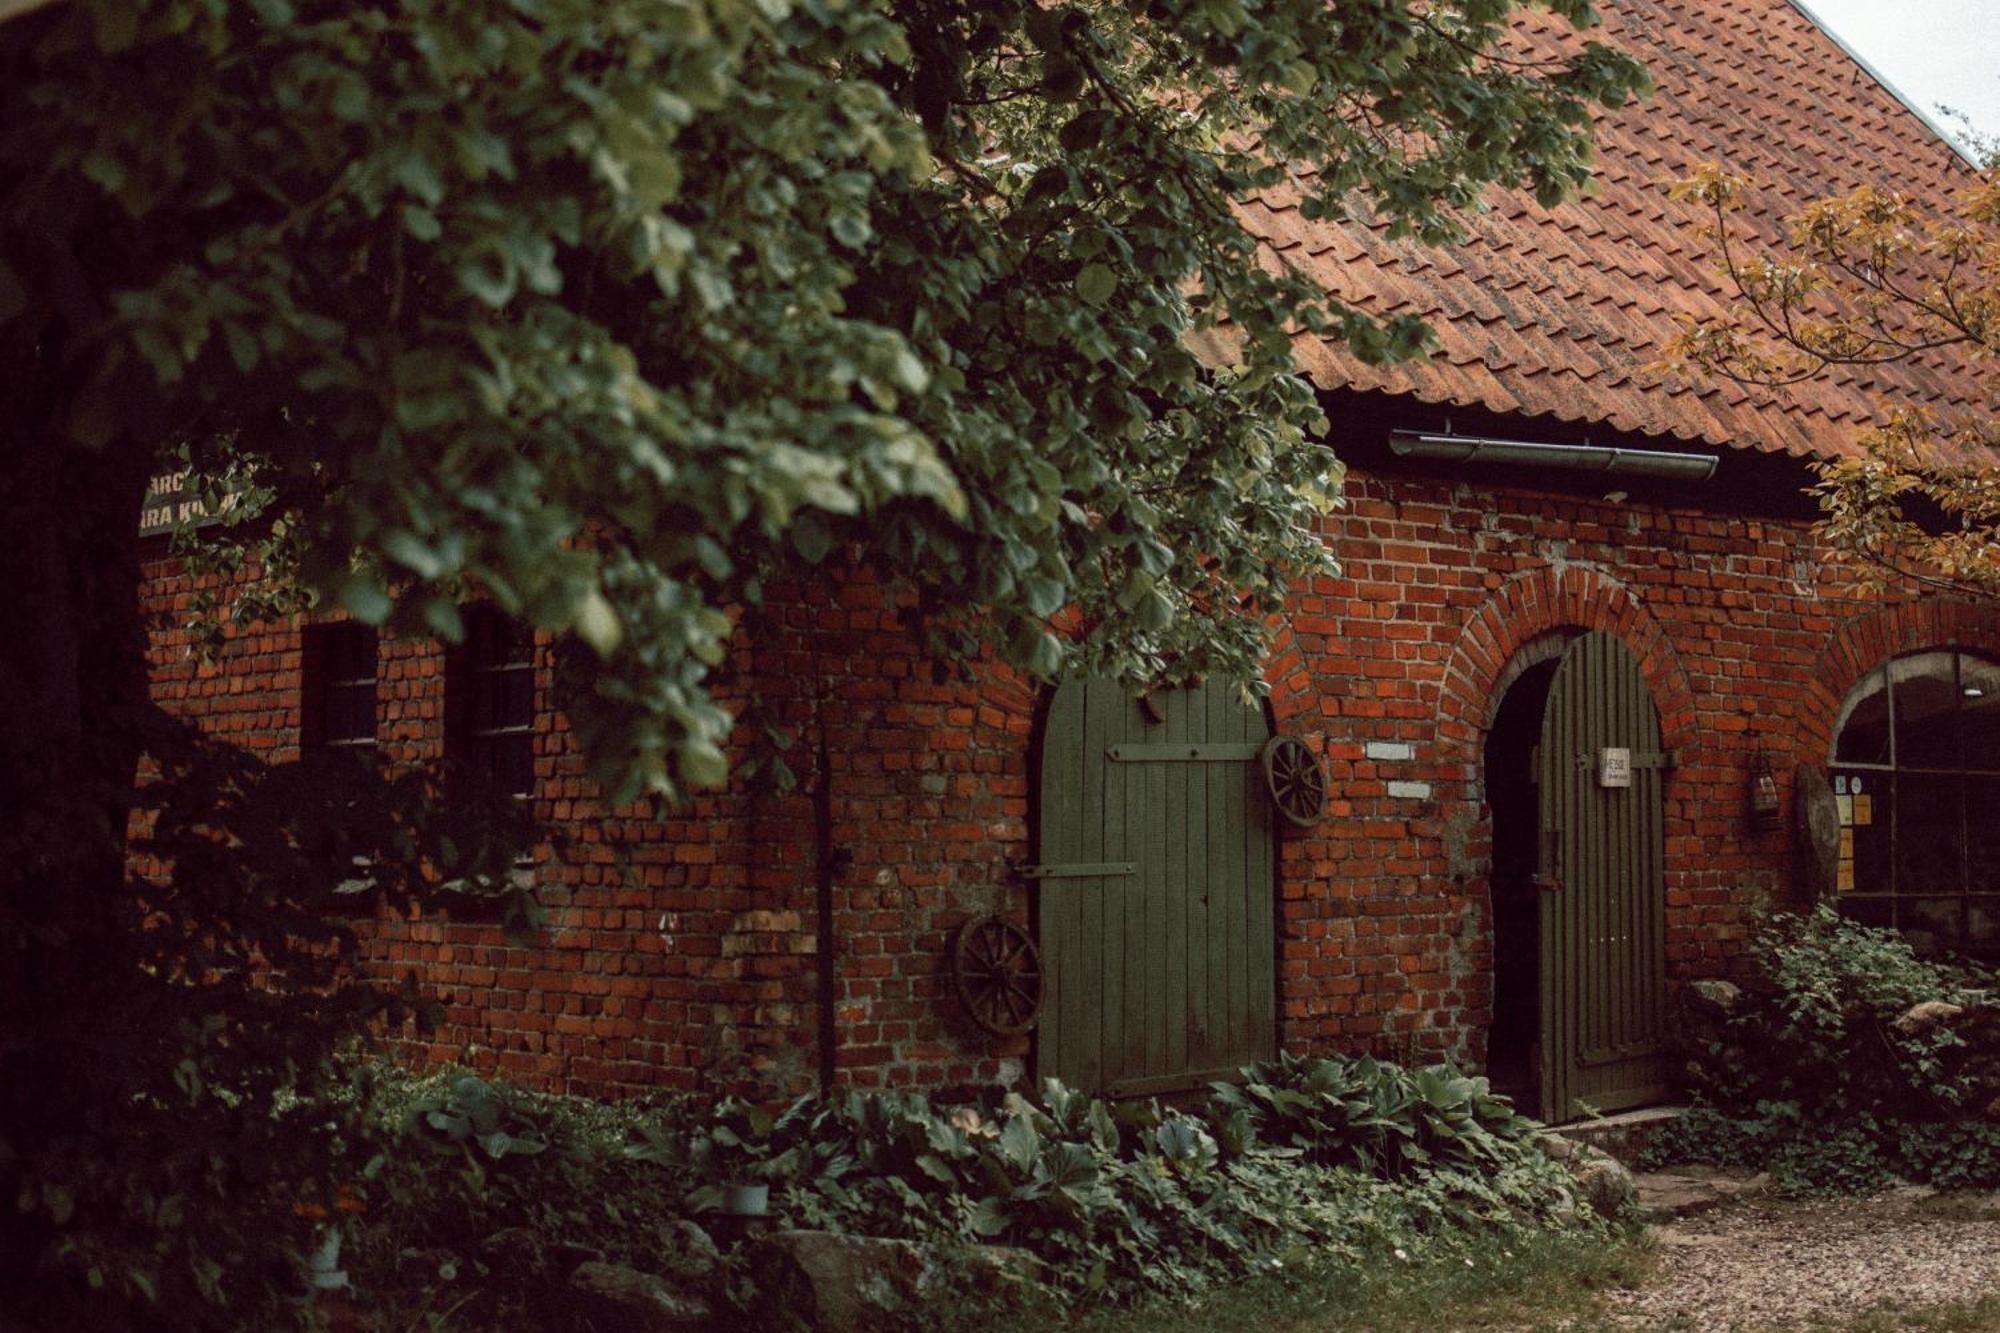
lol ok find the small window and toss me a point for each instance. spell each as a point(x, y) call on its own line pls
point(1916, 773)
point(338, 673)
point(491, 700)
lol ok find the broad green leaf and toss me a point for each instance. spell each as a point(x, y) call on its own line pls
point(1096, 283)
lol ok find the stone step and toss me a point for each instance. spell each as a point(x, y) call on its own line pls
point(1689, 1191)
point(1623, 1135)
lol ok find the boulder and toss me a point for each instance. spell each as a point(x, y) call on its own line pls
point(1713, 998)
point(834, 1283)
point(1602, 1181)
point(1557, 1148)
point(612, 1296)
point(1921, 1018)
point(837, 1284)
point(515, 1251)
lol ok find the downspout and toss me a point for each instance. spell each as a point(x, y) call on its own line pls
point(824, 864)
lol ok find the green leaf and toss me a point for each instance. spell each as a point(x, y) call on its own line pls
point(597, 624)
point(444, 619)
point(365, 599)
point(811, 537)
point(413, 553)
point(421, 223)
point(415, 173)
point(490, 276)
point(1019, 1142)
point(1096, 284)
point(703, 765)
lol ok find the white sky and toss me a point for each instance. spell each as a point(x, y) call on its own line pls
point(1932, 50)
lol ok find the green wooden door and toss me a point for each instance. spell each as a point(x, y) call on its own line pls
point(1156, 889)
point(1603, 874)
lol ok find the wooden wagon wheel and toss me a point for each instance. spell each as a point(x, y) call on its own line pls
point(1295, 779)
point(998, 971)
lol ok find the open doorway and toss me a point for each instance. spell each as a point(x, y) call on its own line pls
point(1512, 1058)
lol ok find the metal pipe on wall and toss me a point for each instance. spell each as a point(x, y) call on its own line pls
point(1568, 457)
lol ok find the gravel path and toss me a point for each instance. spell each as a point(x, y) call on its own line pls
point(1768, 1263)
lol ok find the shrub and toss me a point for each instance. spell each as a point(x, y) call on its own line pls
point(1816, 1077)
point(447, 1199)
point(447, 1165)
point(1322, 1156)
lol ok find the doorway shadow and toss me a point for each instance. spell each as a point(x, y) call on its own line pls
point(1512, 1056)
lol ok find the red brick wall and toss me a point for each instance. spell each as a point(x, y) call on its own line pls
point(681, 948)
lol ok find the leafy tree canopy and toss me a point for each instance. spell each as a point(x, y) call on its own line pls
point(614, 311)
point(1869, 278)
point(611, 310)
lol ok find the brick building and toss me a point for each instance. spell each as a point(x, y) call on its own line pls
point(1541, 696)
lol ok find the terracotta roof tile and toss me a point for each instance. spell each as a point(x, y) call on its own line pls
point(1560, 311)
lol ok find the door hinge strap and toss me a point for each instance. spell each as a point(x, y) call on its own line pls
point(1221, 752)
point(1078, 870)
point(1611, 1055)
point(1587, 761)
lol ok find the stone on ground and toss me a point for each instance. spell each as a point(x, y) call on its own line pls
point(613, 1296)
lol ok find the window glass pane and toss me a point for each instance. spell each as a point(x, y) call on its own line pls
point(1929, 840)
point(511, 763)
point(1865, 830)
point(338, 707)
point(1862, 731)
point(1869, 911)
point(483, 627)
point(349, 652)
point(515, 706)
point(1932, 925)
point(1979, 713)
point(495, 683)
point(1982, 926)
point(1982, 834)
point(350, 713)
point(1924, 687)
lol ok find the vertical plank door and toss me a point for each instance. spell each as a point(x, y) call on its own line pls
point(1603, 875)
point(1156, 883)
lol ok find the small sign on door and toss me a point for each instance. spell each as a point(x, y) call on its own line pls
point(1614, 766)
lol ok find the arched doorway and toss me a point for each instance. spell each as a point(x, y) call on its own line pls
point(1575, 774)
point(1156, 886)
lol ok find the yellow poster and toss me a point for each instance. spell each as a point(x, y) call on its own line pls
point(1847, 844)
point(1864, 810)
point(1844, 877)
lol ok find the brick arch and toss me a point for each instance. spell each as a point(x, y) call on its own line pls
point(1288, 676)
point(1530, 607)
point(1865, 641)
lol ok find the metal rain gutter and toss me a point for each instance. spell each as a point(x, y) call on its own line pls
point(1569, 457)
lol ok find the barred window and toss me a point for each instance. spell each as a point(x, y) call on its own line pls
point(490, 701)
point(1916, 774)
point(337, 672)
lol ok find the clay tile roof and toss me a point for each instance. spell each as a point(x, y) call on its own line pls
point(1559, 311)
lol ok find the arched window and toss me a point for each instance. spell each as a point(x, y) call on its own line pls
point(1916, 771)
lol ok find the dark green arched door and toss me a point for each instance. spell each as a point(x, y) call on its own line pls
point(1601, 770)
point(1156, 886)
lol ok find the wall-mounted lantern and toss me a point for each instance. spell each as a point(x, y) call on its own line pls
point(1763, 796)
